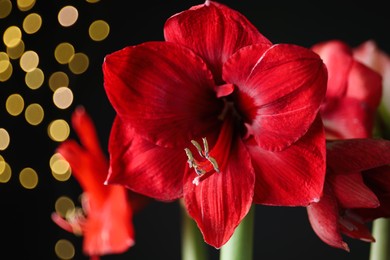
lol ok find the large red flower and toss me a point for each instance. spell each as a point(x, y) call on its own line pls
point(105, 220)
point(356, 191)
point(218, 115)
point(353, 94)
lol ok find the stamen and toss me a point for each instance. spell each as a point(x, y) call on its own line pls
point(201, 167)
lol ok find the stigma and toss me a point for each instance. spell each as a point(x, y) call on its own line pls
point(204, 168)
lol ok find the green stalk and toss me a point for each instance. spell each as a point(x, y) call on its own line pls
point(380, 250)
point(240, 245)
point(192, 243)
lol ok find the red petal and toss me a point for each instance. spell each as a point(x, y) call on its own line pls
point(347, 118)
point(109, 229)
point(323, 217)
point(160, 88)
point(365, 85)
point(356, 155)
point(294, 176)
point(351, 192)
point(220, 202)
point(338, 59)
point(214, 31)
point(142, 166)
point(279, 91)
point(352, 226)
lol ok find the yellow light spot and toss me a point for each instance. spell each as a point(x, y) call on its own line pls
point(64, 249)
point(16, 51)
point(5, 174)
point(4, 62)
point(60, 168)
point(5, 8)
point(64, 52)
point(28, 178)
point(14, 104)
point(4, 139)
point(64, 204)
point(68, 15)
point(63, 97)
point(34, 114)
point(79, 63)
point(34, 79)
point(58, 130)
point(12, 36)
point(58, 79)
point(29, 61)
point(32, 23)
point(92, 1)
point(25, 5)
point(99, 30)
point(5, 75)
point(2, 164)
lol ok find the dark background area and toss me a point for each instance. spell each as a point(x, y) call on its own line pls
point(26, 229)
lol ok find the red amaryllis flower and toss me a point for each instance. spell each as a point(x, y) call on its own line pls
point(371, 55)
point(353, 94)
point(356, 191)
point(218, 115)
point(105, 219)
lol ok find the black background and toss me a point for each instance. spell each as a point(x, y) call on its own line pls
point(26, 229)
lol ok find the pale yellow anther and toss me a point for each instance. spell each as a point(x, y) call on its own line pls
point(214, 163)
point(190, 157)
point(198, 147)
point(206, 147)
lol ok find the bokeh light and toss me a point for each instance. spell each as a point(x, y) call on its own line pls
point(58, 130)
point(5, 8)
point(34, 78)
point(34, 114)
point(60, 168)
point(79, 63)
point(14, 104)
point(29, 61)
point(25, 5)
point(99, 30)
point(4, 139)
point(64, 52)
point(63, 97)
point(32, 23)
point(68, 15)
point(5, 172)
point(58, 79)
point(2, 164)
point(12, 36)
point(64, 249)
point(28, 178)
point(16, 52)
point(4, 62)
point(63, 205)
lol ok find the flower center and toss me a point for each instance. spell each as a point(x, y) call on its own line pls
point(211, 161)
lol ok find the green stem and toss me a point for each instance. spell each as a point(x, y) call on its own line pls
point(192, 244)
point(380, 250)
point(240, 245)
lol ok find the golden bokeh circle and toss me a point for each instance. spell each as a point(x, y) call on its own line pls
point(79, 63)
point(63, 97)
point(29, 61)
point(64, 52)
point(4, 139)
point(68, 15)
point(58, 79)
point(28, 178)
point(32, 23)
point(5, 173)
point(25, 5)
point(99, 30)
point(63, 205)
point(16, 52)
point(4, 62)
point(58, 130)
point(5, 8)
point(14, 104)
point(34, 114)
point(35, 78)
point(12, 36)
